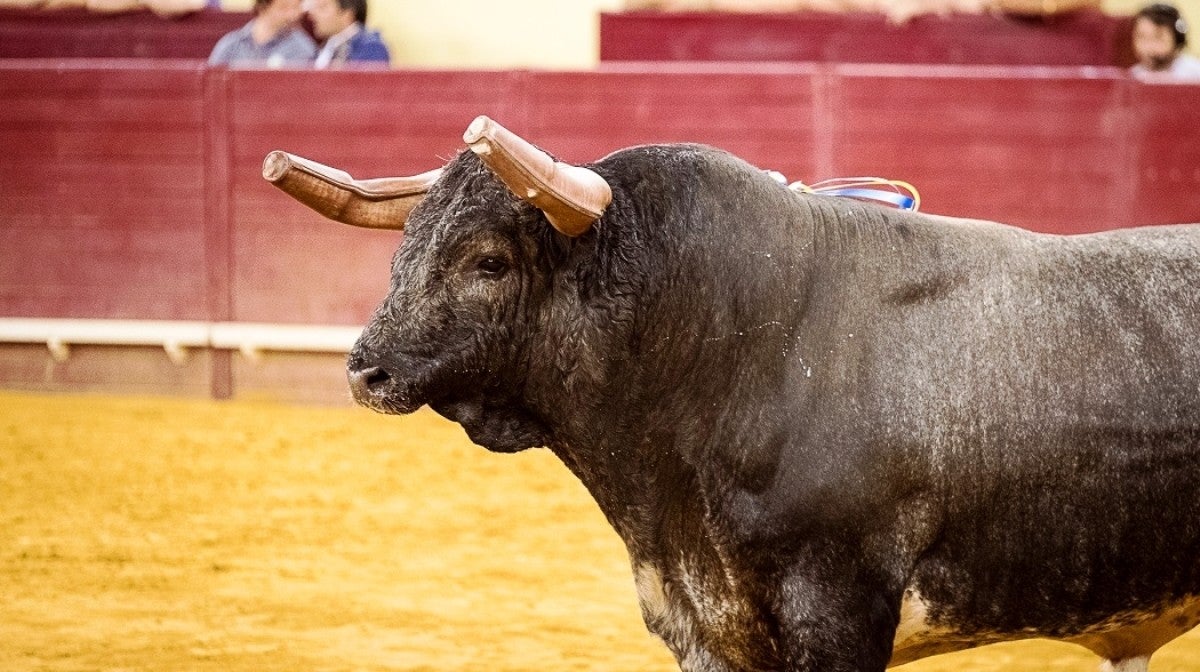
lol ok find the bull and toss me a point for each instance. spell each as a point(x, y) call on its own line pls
point(832, 436)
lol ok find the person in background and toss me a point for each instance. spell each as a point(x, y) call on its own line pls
point(898, 12)
point(340, 24)
point(1159, 36)
point(273, 38)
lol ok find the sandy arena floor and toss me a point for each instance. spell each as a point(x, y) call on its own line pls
point(150, 534)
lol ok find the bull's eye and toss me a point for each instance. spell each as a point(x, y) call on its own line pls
point(493, 266)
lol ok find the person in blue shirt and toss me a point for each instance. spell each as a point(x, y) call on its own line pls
point(272, 38)
point(346, 40)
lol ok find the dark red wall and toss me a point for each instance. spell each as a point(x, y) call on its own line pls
point(1077, 38)
point(102, 191)
point(79, 33)
point(133, 189)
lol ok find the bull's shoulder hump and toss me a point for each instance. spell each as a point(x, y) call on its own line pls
point(667, 150)
point(676, 158)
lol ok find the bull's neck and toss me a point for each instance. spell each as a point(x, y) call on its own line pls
point(710, 340)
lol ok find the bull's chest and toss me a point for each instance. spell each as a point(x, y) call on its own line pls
point(709, 627)
point(702, 619)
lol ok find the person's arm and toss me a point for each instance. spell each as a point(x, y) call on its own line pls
point(112, 6)
point(172, 8)
point(220, 53)
point(299, 48)
point(1043, 7)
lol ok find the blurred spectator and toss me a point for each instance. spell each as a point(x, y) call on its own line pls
point(272, 38)
point(897, 11)
point(1159, 36)
point(340, 24)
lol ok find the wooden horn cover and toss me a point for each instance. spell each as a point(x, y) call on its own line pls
point(572, 197)
point(382, 203)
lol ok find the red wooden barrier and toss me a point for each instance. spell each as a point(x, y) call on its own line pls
point(1042, 148)
point(102, 187)
point(1164, 153)
point(133, 190)
point(767, 116)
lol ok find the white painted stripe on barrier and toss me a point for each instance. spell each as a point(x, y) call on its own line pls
point(251, 338)
point(103, 332)
point(175, 337)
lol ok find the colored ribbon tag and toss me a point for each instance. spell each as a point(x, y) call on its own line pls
point(894, 193)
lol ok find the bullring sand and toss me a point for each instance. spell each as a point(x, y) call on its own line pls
point(171, 535)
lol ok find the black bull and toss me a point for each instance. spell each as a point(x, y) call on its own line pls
point(832, 436)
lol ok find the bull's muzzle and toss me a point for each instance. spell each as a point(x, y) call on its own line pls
point(397, 386)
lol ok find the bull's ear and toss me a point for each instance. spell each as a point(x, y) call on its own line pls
point(572, 197)
point(382, 203)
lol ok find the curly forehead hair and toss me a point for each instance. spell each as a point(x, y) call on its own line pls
point(1167, 16)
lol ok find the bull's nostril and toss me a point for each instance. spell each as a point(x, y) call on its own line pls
point(376, 376)
point(366, 380)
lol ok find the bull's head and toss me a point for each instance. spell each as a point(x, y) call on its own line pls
point(468, 306)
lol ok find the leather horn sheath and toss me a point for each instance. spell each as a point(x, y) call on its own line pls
point(572, 197)
point(382, 203)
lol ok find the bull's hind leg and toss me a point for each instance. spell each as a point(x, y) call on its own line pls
point(1139, 664)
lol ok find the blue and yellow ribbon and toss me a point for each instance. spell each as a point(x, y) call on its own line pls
point(894, 193)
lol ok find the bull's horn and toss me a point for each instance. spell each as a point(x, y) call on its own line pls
point(382, 203)
point(572, 197)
